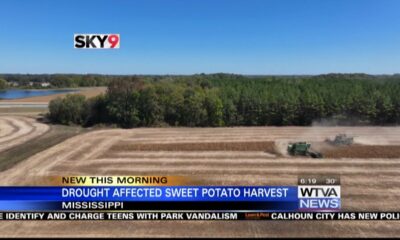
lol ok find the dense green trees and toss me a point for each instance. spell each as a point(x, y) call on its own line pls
point(69, 110)
point(214, 108)
point(234, 100)
point(3, 84)
point(123, 101)
point(149, 107)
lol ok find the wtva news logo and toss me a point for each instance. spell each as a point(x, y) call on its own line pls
point(319, 198)
point(96, 41)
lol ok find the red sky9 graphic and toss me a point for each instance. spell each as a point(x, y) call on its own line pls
point(100, 41)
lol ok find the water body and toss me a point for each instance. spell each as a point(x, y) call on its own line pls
point(25, 93)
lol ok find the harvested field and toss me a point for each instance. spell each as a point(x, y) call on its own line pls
point(20, 152)
point(266, 146)
point(27, 111)
point(15, 130)
point(363, 151)
point(367, 183)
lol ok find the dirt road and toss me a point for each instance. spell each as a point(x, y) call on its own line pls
point(367, 183)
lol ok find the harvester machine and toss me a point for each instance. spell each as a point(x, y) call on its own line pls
point(302, 149)
point(341, 140)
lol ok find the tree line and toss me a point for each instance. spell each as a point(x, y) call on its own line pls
point(55, 80)
point(234, 100)
point(3, 84)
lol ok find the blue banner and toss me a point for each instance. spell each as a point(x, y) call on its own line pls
point(157, 194)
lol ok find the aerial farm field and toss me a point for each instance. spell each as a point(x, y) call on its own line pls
point(219, 156)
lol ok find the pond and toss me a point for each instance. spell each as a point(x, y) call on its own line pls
point(25, 93)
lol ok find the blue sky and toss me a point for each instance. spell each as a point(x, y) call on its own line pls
point(202, 36)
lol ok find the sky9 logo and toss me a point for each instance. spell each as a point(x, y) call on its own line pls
point(96, 41)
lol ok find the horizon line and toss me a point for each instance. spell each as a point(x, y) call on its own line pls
point(202, 73)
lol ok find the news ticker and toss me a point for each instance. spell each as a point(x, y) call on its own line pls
point(199, 216)
point(164, 193)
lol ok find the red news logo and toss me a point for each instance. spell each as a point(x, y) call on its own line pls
point(99, 41)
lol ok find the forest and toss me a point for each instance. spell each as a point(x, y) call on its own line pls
point(3, 84)
point(216, 100)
